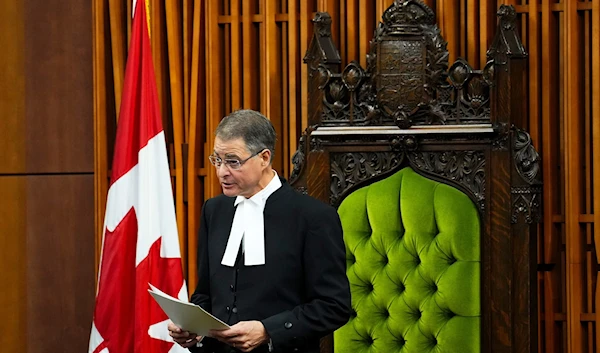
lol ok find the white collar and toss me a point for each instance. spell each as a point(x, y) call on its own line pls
point(248, 225)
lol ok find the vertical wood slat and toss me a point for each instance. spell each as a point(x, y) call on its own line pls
point(100, 112)
point(194, 152)
point(283, 107)
point(160, 60)
point(351, 17)
point(588, 292)
point(187, 51)
point(549, 156)
point(380, 6)
point(462, 30)
point(269, 63)
point(472, 44)
point(572, 157)
point(293, 58)
point(364, 16)
point(118, 45)
point(486, 29)
point(174, 54)
point(213, 91)
point(304, 40)
point(450, 16)
point(226, 67)
point(343, 41)
point(248, 58)
point(534, 77)
point(595, 97)
point(234, 62)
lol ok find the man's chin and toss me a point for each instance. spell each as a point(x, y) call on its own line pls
point(229, 191)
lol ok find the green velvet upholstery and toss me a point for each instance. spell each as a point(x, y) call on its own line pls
point(413, 261)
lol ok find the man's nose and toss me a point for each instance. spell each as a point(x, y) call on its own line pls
point(222, 170)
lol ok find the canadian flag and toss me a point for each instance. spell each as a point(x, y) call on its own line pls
point(140, 242)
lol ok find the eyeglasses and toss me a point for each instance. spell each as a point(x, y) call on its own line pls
point(233, 164)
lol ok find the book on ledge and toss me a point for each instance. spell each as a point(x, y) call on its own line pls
point(186, 315)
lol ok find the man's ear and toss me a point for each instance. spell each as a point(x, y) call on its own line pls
point(265, 156)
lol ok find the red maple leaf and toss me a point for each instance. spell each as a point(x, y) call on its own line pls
point(166, 275)
point(115, 302)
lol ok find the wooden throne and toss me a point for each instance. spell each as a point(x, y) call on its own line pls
point(451, 124)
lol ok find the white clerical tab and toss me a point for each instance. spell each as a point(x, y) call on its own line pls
point(249, 226)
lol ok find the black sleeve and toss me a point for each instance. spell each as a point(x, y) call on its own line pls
point(201, 295)
point(327, 289)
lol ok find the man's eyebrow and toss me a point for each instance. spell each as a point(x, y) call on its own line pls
point(227, 155)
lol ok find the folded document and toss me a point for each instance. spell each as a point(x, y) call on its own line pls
point(188, 316)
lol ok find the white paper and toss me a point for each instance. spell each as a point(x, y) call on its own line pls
point(188, 316)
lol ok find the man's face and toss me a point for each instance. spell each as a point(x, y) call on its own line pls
point(243, 181)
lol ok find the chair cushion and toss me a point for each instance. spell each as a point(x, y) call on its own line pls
point(413, 262)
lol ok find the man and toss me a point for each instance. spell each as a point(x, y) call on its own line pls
point(271, 261)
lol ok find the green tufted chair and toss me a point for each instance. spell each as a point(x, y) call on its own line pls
point(413, 258)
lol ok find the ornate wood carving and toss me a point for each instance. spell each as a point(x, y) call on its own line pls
point(467, 168)
point(500, 142)
point(526, 158)
point(350, 169)
point(506, 42)
point(526, 204)
point(298, 159)
point(526, 200)
point(407, 81)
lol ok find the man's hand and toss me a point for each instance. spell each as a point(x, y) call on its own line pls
point(245, 335)
point(184, 338)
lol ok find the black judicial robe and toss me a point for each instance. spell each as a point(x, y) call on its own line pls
point(301, 293)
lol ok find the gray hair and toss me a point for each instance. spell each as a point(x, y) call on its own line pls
point(251, 126)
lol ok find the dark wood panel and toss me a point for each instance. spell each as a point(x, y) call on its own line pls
point(12, 265)
point(58, 66)
point(12, 88)
point(60, 262)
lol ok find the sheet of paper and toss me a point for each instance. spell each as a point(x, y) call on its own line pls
point(188, 316)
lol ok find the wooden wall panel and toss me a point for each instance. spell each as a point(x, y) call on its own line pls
point(58, 71)
point(12, 88)
point(60, 262)
point(13, 264)
point(46, 149)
